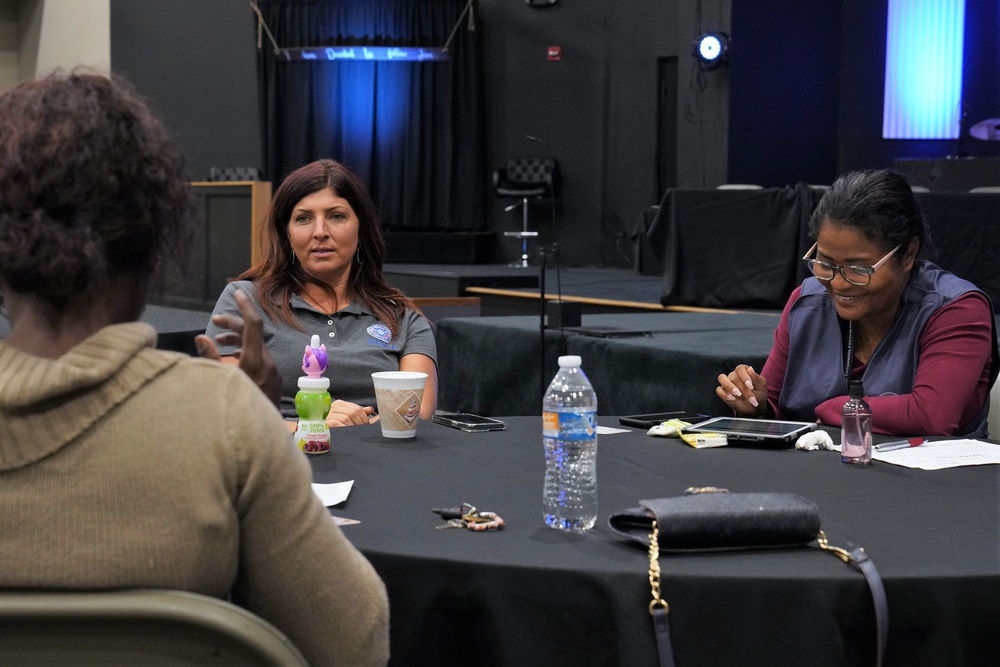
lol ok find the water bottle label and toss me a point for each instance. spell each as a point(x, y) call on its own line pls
point(569, 425)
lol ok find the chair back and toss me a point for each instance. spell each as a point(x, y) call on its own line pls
point(153, 628)
point(993, 421)
point(531, 170)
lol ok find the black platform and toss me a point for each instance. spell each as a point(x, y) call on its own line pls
point(440, 247)
point(175, 327)
point(453, 279)
point(507, 290)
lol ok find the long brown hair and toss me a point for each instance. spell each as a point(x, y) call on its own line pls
point(279, 276)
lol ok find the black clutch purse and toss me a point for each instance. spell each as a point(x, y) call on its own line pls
point(710, 519)
point(720, 520)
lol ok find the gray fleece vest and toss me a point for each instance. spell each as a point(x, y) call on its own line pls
point(815, 368)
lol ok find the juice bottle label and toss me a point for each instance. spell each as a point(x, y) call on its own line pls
point(313, 436)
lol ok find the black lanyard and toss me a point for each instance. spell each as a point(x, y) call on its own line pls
point(849, 356)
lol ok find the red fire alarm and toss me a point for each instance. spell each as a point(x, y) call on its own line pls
point(555, 53)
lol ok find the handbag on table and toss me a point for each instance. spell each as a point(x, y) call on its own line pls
point(710, 519)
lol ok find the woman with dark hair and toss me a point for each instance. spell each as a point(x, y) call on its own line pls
point(322, 274)
point(123, 466)
point(921, 339)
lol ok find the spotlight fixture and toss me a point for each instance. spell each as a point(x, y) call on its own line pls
point(712, 49)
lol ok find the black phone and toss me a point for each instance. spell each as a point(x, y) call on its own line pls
point(654, 418)
point(471, 423)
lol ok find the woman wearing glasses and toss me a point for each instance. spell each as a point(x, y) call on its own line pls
point(921, 338)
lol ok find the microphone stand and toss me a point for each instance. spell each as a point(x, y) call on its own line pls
point(963, 121)
point(541, 319)
point(544, 252)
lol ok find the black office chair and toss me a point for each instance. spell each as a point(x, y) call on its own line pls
point(527, 179)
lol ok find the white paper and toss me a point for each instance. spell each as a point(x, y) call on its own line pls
point(333, 494)
point(940, 454)
point(610, 430)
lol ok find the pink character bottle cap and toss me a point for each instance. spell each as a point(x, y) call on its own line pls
point(314, 361)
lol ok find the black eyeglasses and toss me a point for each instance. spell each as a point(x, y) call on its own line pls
point(856, 275)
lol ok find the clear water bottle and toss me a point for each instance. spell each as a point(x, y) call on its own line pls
point(856, 427)
point(569, 433)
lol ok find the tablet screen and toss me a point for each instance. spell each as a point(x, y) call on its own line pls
point(763, 429)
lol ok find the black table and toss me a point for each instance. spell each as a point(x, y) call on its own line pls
point(490, 365)
point(530, 595)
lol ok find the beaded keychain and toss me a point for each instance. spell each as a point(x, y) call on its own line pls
point(468, 517)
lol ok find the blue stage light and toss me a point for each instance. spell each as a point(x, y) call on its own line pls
point(712, 49)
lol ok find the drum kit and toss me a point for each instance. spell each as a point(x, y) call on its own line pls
point(986, 130)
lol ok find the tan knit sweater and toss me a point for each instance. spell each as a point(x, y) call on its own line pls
point(122, 466)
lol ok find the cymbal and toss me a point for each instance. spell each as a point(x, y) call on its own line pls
point(987, 130)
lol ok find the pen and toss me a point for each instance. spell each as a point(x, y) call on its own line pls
point(899, 444)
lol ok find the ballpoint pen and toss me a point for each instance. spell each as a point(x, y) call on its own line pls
point(899, 444)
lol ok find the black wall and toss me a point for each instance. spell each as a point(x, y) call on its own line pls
point(595, 107)
point(194, 61)
point(783, 72)
point(801, 99)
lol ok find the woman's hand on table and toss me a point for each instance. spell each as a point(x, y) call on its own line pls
point(253, 357)
point(744, 391)
point(343, 413)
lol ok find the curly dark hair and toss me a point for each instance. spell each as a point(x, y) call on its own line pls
point(278, 275)
point(878, 203)
point(92, 186)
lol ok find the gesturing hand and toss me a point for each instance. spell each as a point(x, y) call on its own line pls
point(247, 333)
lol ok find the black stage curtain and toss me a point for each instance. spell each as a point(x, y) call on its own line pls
point(413, 131)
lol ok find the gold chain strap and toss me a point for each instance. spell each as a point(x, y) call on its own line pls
point(823, 544)
point(654, 571)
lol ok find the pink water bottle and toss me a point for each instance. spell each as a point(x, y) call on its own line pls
point(856, 428)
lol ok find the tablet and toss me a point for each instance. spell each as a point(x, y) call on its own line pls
point(757, 430)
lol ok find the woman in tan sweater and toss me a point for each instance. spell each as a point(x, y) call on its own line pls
point(122, 466)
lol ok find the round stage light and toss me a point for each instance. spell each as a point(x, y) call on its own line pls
point(712, 49)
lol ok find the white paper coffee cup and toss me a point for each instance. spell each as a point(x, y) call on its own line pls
point(399, 395)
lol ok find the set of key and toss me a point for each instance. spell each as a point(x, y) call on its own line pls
point(468, 517)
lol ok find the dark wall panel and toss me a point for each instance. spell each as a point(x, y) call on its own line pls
point(194, 61)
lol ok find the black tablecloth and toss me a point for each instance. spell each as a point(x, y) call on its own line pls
point(490, 365)
point(530, 595)
point(741, 248)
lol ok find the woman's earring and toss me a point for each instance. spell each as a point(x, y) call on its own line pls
point(359, 256)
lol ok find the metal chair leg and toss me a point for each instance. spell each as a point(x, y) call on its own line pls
point(524, 234)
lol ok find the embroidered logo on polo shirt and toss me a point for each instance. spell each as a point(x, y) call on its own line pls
point(381, 332)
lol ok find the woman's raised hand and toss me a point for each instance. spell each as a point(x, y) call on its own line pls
point(246, 332)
